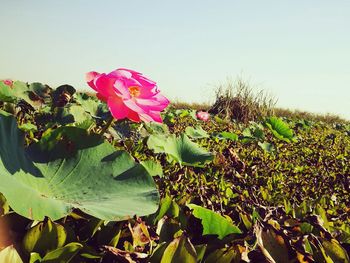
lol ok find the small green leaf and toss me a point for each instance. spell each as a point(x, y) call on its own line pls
point(167, 228)
point(272, 245)
point(180, 250)
point(267, 147)
point(4, 206)
point(228, 135)
point(62, 255)
point(181, 149)
point(214, 223)
point(224, 255)
point(35, 258)
point(280, 129)
point(44, 237)
point(110, 234)
point(335, 251)
point(28, 127)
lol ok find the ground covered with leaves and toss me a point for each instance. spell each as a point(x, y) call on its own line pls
point(277, 190)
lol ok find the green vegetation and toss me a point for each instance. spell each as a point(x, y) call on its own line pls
point(270, 190)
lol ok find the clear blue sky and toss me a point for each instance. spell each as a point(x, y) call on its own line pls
point(297, 50)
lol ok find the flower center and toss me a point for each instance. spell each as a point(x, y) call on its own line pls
point(134, 91)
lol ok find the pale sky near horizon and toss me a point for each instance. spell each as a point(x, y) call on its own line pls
point(299, 51)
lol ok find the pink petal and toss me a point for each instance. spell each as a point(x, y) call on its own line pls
point(156, 103)
point(121, 90)
point(144, 81)
point(134, 116)
point(131, 82)
point(121, 73)
point(161, 99)
point(90, 78)
point(132, 72)
point(104, 85)
point(148, 91)
point(131, 104)
point(155, 115)
point(117, 108)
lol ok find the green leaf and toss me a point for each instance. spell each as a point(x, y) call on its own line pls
point(280, 129)
point(167, 228)
point(166, 207)
point(89, 104)
point(62, 255)
point(180, 250)
point(6, 93)
point(200, 250)
point(323, 214)
point(40, 90)
point(267, 147)
point(10, 255)
point(35, 258)
point(158, 252)
point(79, 114)
point(28, 127)
point(272, 245)
point(157, 142)
point(224, 255)
point(4, 206)
point(335, 251)
point(110, 234)
point(196, 133)
point(180, 149)
point(18, 91)
point(228, 135)
point(153, 168)
point(77, 171)
point(44, 237)
point(214, 223)
point(157, 128)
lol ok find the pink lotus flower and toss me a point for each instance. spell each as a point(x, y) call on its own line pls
point(128, 94)
point(8, 82)
point(203, 115)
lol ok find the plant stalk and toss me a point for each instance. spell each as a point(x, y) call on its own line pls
point(108, 124)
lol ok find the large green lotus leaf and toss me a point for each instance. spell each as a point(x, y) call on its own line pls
point(180, 149)
point(214, 223)
point(78, 172)
point(280, 129)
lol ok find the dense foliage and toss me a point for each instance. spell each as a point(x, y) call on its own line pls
point(183, 191)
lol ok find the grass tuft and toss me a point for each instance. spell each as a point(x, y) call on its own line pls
point(237, 100)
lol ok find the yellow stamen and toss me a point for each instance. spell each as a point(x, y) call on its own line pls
point(134, 91)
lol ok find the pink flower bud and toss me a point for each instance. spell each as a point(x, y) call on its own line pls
point(203, 115)
point(8, 82)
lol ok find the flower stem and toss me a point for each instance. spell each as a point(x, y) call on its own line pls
point(108, 124)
